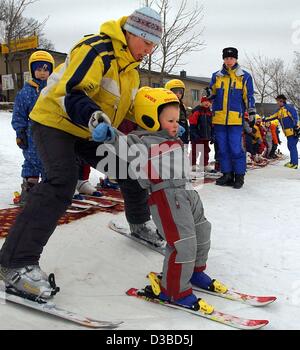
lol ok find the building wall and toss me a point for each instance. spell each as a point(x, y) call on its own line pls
point(193, 91)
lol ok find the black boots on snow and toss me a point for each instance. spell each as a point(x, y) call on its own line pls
point(226, 180)
point(238, 181)
point(231, 179)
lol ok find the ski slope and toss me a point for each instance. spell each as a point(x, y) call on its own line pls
point(255, 248)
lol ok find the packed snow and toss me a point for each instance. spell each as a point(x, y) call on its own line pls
point(255, 248)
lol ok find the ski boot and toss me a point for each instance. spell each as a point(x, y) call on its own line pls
point(108, 183)
point(29, 282)
point(147, 232)
point(190, 301)
point(85, 187)
point(209, 169)
point(26, 187)
point(202, 280)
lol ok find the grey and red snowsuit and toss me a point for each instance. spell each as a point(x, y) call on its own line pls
point(176, 209)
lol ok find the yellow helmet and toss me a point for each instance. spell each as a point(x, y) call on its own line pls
point(175, 84)
point(147, 103)
point(42, 56)
point(258, 118)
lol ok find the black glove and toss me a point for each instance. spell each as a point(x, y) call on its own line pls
point(252, 119)
point(22, 140)
point(296, 131)
point(208, 92)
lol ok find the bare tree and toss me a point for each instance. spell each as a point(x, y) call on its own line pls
point(279, 74)
point(292, 88)
point(259, 68)
point(269, 76)
point(181, 36)
point(44, 43)
point(2, 12)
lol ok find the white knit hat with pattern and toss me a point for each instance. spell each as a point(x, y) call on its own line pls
point(145, 23)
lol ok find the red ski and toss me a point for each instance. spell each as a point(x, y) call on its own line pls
point(217, 316)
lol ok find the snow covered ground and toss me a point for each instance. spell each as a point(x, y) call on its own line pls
point(255, 248)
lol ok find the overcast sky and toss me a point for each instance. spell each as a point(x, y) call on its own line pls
point(270, 27)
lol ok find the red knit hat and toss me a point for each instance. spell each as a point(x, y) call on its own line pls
point(204, 99)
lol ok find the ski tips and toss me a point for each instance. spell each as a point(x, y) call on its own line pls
point(256, 324)
point(131, 291)
point(268, 300)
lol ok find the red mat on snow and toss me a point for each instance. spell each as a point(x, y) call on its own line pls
point(8, 216)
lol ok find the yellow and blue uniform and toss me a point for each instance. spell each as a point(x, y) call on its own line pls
point(287, 117)
point(289, 120)
point(99, 74)
point(232, 94)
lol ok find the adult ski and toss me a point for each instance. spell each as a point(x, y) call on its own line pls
point(94, 203)
point(51, 308)
point(124, 231)
point(107, 198)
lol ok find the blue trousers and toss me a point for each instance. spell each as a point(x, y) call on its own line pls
point(32, 166)
point(231, 153)
point(292, 146)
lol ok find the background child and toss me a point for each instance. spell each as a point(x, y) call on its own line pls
point(41, 65)
point(177, 86)
point(201, 132)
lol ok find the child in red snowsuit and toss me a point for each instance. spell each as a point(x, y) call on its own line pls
point(200, 131)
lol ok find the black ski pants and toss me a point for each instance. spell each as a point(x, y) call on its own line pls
point(48, 201)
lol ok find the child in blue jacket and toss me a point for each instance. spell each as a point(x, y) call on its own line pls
point(41, 65)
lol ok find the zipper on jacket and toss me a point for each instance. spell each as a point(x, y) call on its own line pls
point(115, 114)
point(116, 105)
point(176, 200)
point(228, 101)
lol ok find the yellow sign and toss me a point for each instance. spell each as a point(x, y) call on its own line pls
point(21, 45)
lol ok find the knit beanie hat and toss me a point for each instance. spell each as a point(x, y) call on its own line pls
point(230, 52)
point(41, 64)
point(145, 23)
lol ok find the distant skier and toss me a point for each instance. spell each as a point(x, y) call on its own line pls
point(289, 121)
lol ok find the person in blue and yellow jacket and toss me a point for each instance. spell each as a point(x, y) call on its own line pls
point(41, 65)
point(91, 92)
point(289, 121)
point(231, 91)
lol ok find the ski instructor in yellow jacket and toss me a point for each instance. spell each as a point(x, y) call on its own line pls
point(93, 90)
